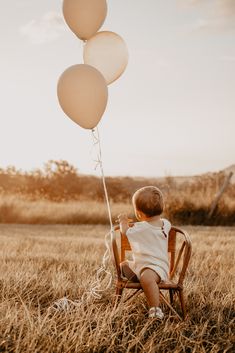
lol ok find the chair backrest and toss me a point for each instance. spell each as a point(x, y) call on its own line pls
point(179, 249)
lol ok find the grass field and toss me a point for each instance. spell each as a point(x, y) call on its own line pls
point(42, 263)
point(59, 194)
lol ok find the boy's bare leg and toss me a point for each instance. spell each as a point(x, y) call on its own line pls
point(128, 273)
point(149, 280)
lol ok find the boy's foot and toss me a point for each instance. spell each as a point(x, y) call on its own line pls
point(156, 312)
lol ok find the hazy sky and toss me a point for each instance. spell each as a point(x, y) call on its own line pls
point(170, 113)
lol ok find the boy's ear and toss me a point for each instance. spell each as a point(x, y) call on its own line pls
point(137, 214)
point(140, 215)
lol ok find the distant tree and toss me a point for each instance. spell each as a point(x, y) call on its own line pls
point(59, 168)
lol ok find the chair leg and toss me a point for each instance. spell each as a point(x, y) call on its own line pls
point(169, 305)
point(118, 296)
point(119, 293)
point(171, 292)
point(137, 292)
point(182, 303)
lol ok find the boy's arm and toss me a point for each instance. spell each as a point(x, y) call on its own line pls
point(124, 223)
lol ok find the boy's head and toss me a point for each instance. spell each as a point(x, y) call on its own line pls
point(149, 201)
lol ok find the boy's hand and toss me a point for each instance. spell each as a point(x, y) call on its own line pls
point(122, 217)
point(123, 221)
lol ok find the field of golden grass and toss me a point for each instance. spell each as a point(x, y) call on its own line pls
point(58, 194)
point(42, 263)
point(18, 210)
point(182, 208)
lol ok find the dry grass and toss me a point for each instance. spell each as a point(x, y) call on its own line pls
point(18, 210)
point(40, 264)
point(59, 194)
point(180, 208)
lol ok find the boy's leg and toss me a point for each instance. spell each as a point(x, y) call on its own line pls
point(149, 280)
point(127, 272)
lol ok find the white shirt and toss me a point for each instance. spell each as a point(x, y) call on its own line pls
point(149, 244)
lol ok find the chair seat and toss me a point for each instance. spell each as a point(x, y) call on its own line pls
point(168, 284)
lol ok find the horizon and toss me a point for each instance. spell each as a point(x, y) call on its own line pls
point(79, 172)
point(170, 113)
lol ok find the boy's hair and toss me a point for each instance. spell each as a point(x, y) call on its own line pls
point(149, 200)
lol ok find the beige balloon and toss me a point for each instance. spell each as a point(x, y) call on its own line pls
point(84, 17)
point(108, 53)
point(83, 95)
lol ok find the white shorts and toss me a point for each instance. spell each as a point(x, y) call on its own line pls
point(137, 268)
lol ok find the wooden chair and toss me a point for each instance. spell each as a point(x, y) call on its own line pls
point(179, 250)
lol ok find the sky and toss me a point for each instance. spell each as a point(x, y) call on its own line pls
point(170, 113)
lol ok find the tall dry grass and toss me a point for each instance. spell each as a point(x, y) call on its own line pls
point(40, 264)
point(60, 194)
point(179, 209)
point(22, 211)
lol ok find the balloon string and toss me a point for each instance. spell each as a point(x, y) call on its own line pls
point(102, 273)
point(96, 286)
point(96, 140)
